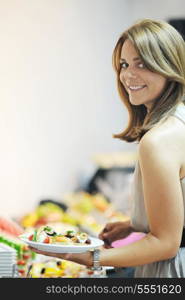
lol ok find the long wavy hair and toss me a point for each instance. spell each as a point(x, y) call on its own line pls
point(162, 50)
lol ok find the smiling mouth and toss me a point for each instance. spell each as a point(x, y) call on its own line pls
point(135, 88)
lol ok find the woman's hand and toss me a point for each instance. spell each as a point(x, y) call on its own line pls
point(115, 231)
point(80, 258)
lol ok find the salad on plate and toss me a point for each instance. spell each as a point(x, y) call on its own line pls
point(48, 235)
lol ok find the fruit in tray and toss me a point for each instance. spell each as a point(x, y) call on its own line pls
point(56, 268)
point(47, 234)
point(87, 203)
point(46, 213)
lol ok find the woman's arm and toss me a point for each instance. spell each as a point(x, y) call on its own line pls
point(160, 165)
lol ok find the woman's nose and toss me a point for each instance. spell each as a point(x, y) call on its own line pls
point(130, 74)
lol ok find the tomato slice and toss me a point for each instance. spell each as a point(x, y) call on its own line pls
point(47, 240)
point(31, 237)
point(26, 256)
point(21, 262)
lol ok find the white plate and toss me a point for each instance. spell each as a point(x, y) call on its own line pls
point(6, 271)
point(7, 257)
point(10, 254)
point(7, 260)
point(56, 248)
point(10, 262)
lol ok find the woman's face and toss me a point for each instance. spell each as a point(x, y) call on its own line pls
point(142, 85)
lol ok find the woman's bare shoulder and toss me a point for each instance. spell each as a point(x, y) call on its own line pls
point(171, 130)
point(166, 139)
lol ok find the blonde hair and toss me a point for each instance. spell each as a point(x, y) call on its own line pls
point(162, 50)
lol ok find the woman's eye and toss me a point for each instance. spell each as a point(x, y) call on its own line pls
point(141, 65)
point(123, 65)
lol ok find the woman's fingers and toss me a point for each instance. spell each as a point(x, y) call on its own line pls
point(114, 234)
point(43, 252)
point(106, 243)
point(59, 255)
point(110, 235)
point(108, 227)
point(35, 250)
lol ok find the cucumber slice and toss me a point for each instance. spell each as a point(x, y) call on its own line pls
point(35, 235)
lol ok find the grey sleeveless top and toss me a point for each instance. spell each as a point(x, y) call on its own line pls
point(174, 267)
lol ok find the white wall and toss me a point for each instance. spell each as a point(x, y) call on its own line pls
point(59, 103)
point(157, 9)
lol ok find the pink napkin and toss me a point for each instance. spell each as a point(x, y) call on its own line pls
point(133, 237)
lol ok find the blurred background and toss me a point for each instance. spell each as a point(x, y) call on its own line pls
point(59, 103)
point(60, 106)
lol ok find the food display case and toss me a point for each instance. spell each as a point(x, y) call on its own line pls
point(104, 199)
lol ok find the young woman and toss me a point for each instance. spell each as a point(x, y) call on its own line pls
point(149, 60)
